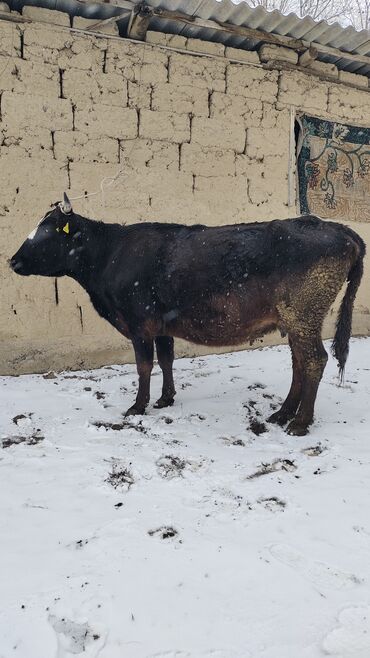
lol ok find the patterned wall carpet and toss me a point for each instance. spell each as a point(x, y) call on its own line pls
point(334, 170)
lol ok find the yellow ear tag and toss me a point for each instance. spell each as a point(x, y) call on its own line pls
point(66, 228)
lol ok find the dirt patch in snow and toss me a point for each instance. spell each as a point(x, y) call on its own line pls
point(164, 532)
point(255, 425)
point(232, 441)
point(273, 503)
point(19, 417)
point(256, 386)
point(170, 466)
point(117, 427)
point(32, 440)
point(313, 451)
point(120, 477)
point(276, 465)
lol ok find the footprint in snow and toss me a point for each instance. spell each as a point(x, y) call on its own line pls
point(164, 532)
point(171, 466)
point(32, 440)
point(273, 504)
point(286, 465)
point(75, 638)
point(319, 573)
point(351, 638)
point(210, 653)
point(23, 419)
point(313, 451)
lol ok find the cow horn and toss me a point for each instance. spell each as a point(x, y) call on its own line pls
point(66, 204)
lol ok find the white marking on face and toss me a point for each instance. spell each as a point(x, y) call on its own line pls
point(32, 234)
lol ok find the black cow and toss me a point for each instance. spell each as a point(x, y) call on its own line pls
point(212, 286)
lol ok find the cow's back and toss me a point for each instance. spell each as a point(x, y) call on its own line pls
point(215, 258)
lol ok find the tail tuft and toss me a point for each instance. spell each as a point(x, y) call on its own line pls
point(340, 346)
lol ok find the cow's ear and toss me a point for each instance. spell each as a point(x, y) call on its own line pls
point(66, 205)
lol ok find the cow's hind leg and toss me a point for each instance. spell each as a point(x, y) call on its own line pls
point(144, 351)
point(315, 358)
point(165, 354)
point(289, 407)
point(311, 294)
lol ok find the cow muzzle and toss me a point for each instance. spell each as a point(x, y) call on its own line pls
point(16, 264)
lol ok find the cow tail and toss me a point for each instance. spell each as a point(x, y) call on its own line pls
point(340, 345)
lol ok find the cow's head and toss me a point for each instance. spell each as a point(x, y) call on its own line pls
point(53, 246)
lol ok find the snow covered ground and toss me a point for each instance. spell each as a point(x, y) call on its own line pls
point(186, 533)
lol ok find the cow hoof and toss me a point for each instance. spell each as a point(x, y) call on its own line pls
point(163, 402)
point(297, 429)
point(134, 411)
point(279, 418)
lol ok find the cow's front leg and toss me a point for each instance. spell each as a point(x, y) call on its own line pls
point(144, 364)
point(165, 355)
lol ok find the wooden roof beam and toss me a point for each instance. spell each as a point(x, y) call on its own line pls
point(308, 56)
point(139, 21)
point(106, 21)
point(299, 45)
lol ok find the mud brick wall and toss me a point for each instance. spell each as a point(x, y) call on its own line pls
point(198, 138)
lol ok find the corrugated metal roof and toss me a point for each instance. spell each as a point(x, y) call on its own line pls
point(347, 39)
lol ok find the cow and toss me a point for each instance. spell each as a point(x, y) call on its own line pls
point(212, 286)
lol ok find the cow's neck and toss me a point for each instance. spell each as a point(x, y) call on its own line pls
point(96, 245)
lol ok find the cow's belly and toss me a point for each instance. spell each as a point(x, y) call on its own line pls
point(224, 321)
point(221, 334)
